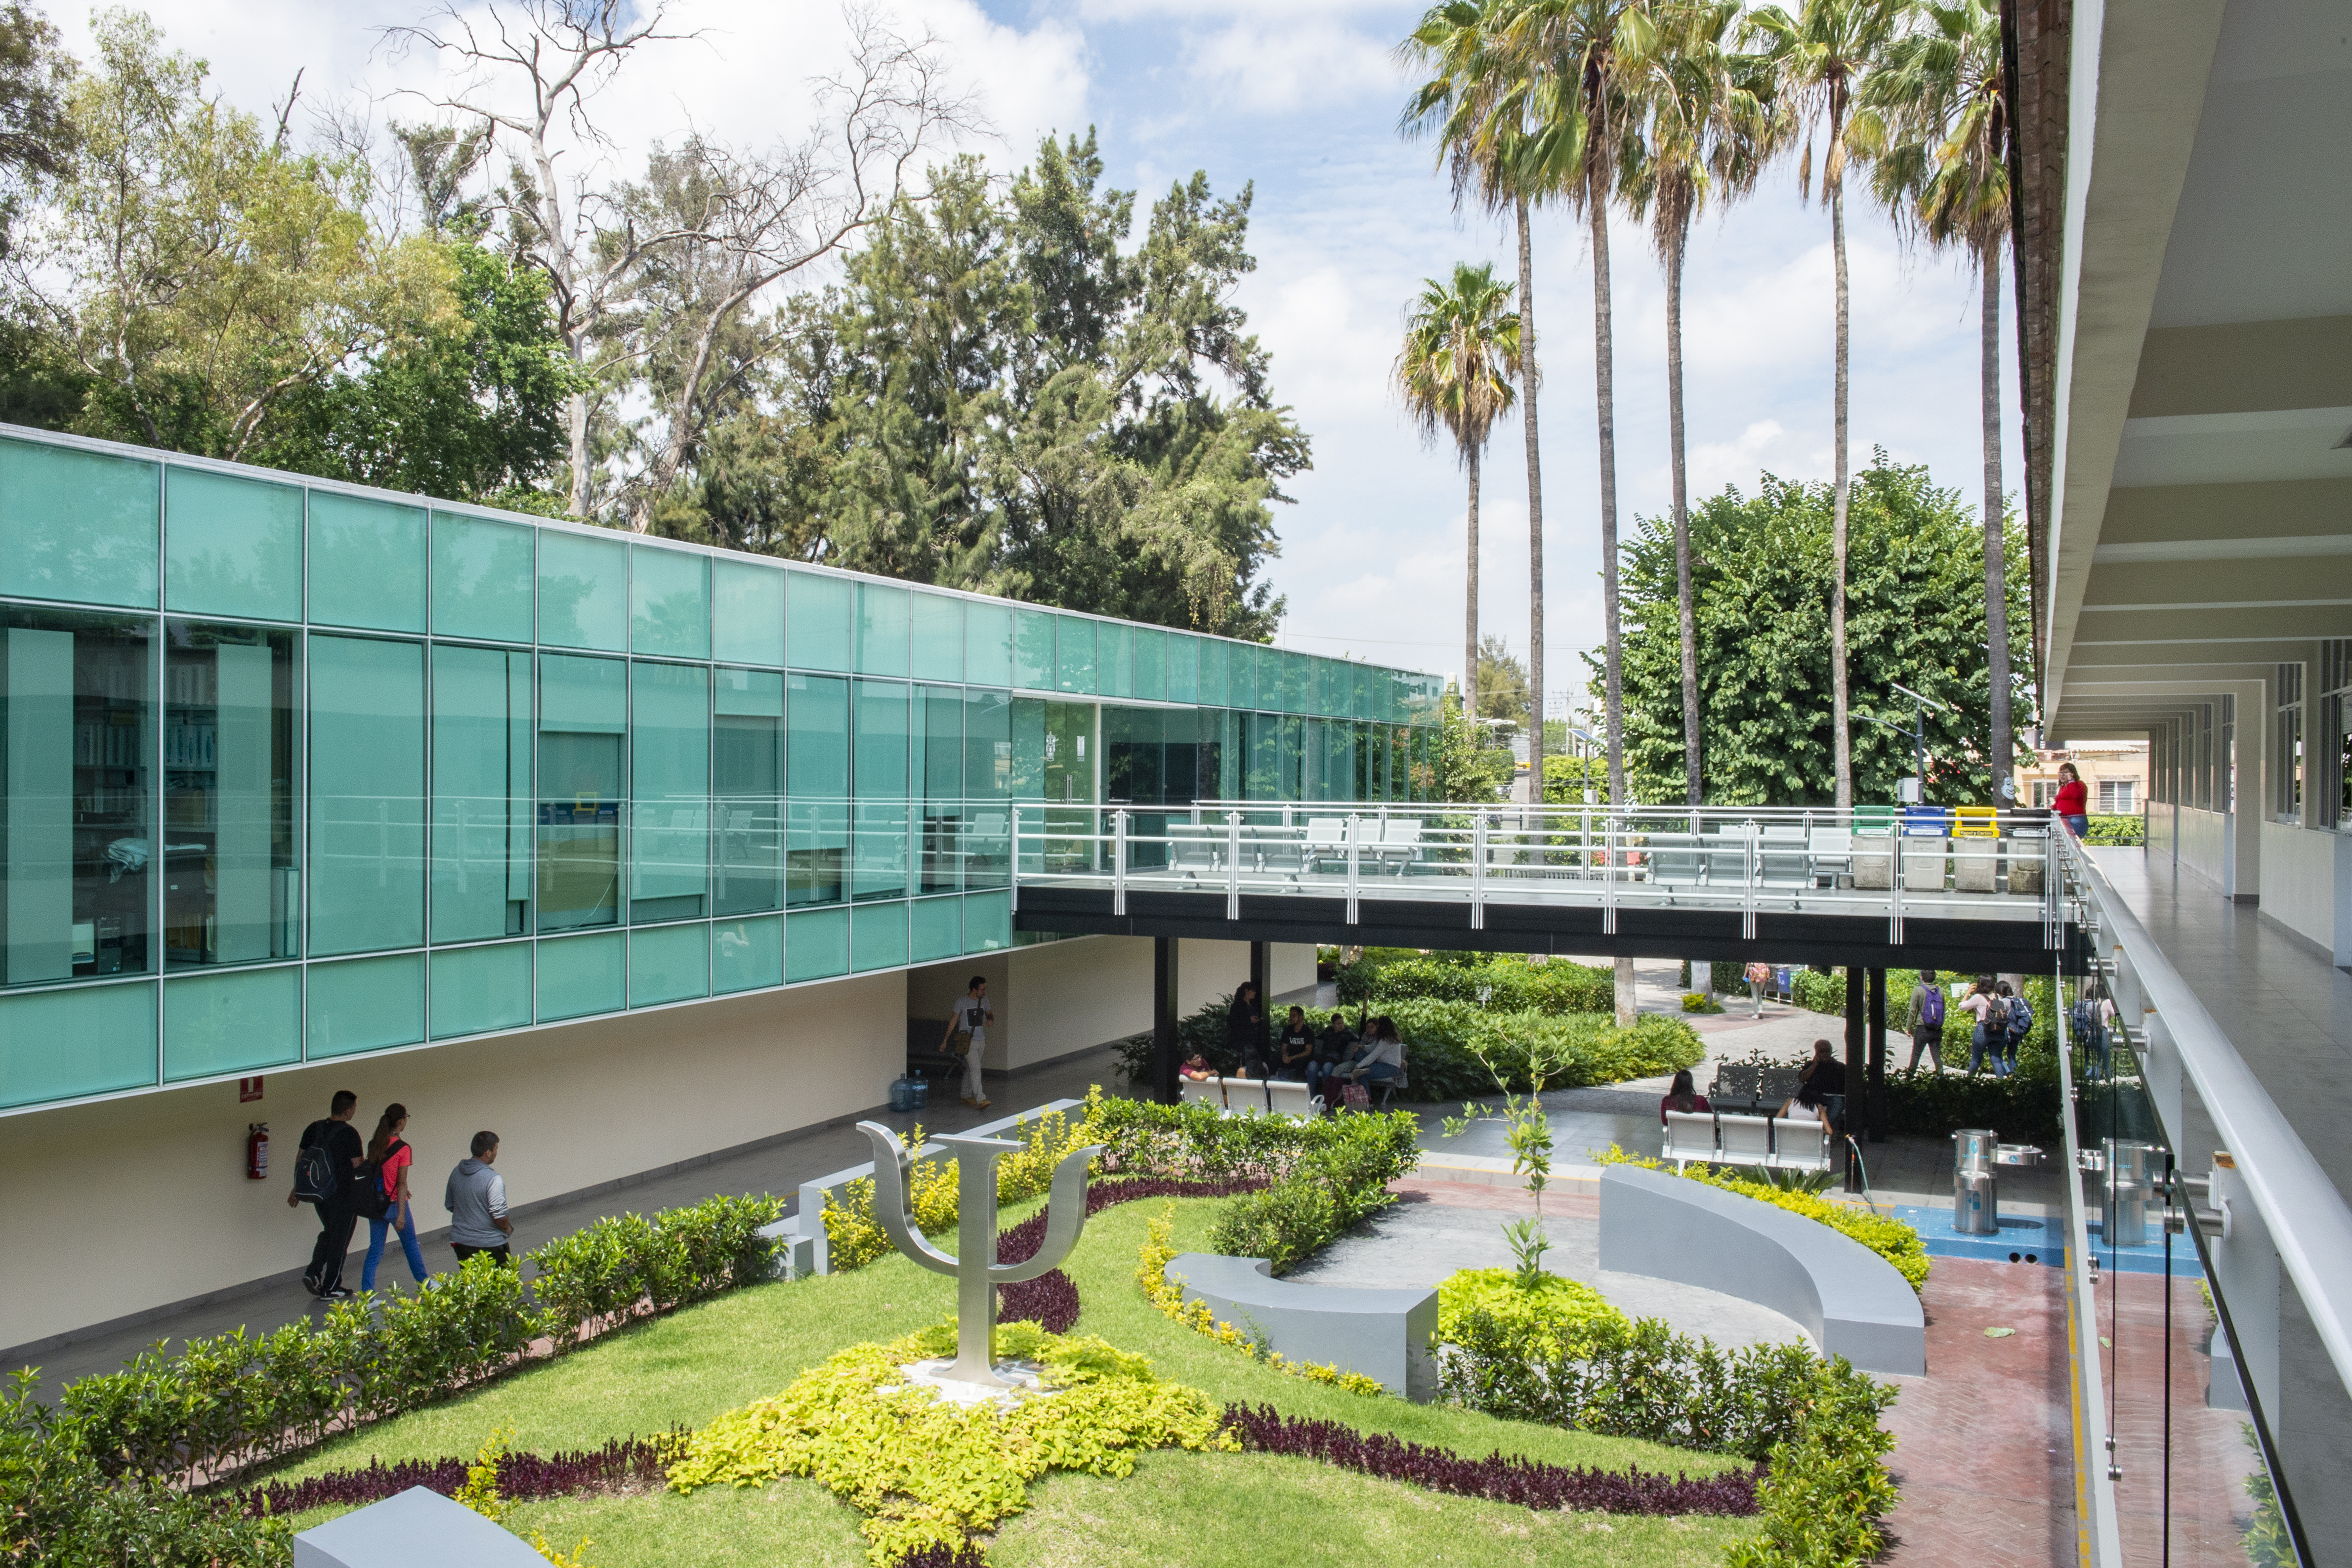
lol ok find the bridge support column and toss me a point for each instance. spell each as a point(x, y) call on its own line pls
point(1261, 973)
point(1166, 1057)
point(1855, 1085)
point(1875, 1109)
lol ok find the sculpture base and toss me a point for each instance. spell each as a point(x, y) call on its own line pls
point(1023, 1380)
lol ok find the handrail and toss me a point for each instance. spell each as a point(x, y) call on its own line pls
point(2310, 1224)
point(2094, 1489)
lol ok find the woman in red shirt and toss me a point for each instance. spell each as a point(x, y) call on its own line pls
point(389, 1158)
point(2073, 803)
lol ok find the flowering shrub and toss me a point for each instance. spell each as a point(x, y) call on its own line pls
point(1893, 1239)
point(1499, 1477)
point(1554, 1306)
point(1151, 1273)
point(624, 1464)
point(929, 1475)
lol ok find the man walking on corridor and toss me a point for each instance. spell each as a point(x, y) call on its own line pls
point(476, 1198)
point(326, 1180)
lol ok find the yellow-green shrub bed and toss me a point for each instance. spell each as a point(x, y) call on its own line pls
point(1551, 1308)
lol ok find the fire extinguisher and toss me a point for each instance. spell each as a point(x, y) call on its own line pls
point(256, 1150)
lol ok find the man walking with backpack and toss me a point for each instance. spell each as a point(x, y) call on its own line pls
point(2021, 1024)
point(1926, 1023)
point(324, 1169)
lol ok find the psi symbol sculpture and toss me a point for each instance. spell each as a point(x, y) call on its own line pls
point(976, 1271)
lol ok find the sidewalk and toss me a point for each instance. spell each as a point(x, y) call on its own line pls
point(261, 1306)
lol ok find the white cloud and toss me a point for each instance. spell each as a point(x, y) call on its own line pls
point(1265, 66)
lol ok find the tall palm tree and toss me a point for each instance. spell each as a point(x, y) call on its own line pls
point(1472, 102)
point(1713, 123)
point(1576, 59)
point(1822, 54)
point(1460, 351)
point(1936, 123)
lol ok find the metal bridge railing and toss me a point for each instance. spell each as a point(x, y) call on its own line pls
point(1923, 862)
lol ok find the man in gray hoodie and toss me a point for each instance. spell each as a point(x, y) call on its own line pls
point(476, 1201)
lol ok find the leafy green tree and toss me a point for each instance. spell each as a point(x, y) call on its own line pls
point(196, 272)
point(471, 411)
point(1501, 690)
point(998, 397)
point(1764, 571)
point(1461, 350)
point(37, 134)
point(1471, 769)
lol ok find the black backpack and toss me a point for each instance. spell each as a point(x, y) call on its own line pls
point(316, 1180)
point(369, 1200)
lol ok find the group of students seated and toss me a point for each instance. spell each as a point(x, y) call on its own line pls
point(1325, 1058)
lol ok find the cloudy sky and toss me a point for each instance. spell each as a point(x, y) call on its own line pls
point(1300, 97)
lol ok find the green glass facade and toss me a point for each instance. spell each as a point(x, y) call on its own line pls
point(293, 772)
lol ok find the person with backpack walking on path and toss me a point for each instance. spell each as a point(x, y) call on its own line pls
point(389, 1158)
point(2092, 1015)
point(1926, 1023)
point(1978, 1005)
point(970, 1019)
point(1760, 976)
point(2016, 1017)
point(476, 1198)
point(324, 1165)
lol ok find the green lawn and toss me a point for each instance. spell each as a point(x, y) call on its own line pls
point(1202, 1509)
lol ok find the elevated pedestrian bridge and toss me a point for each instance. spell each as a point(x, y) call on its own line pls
point(1927, 886)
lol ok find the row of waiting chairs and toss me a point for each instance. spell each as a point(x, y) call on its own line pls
point(1198, 850)
point(1796, 1143)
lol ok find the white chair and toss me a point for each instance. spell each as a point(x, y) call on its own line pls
point(1675, 859)
point(1690, 1135)
point(1781, 860)
point(1831, 850)
point(1327, 841)
point(1745, 1140)
point(1401, 842)
point(1800, 1142)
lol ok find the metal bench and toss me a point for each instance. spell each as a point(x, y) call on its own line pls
point(1690, 1135)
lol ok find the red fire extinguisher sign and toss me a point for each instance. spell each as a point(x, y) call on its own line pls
point(248, 1090)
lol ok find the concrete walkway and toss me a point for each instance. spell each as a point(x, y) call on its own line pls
point(777, 1166)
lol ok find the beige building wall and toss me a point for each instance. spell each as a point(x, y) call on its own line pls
point(115, 1207)
point(1062, 997)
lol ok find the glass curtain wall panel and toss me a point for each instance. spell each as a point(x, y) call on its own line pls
point(363, 1004)
point(482, 814)
point(230, 894)
point(1297, 679)
point(76, 765)
point(367, 795)
point(670, 791)
point(84, 526)
point(482, 578)
point(669, 602)
point(1073, 654)
point(747, 613)
point(583, 592)
point(988, 644)
point(1114, 664)
point(1214, 662)
point(878, 937)
point(1264, 755)
point(235, 1021)
point(583, 720)
point(988, 786)
point(938, 634)
point(879, 778)
point(934, 930)
point(938, 771)
point(580, 975)
point(881, 629)
point(1179, 754)
point(367, 563)
point(747, 954)
point(1151, 656)
point(1032, 650)
point(1133, 739)
point(83, 1040)
point(816, 789)
point(669, 963)
point(478, 989)
point(1183, 667)
point(817, 615)
point(1241, 676)
point(816, 945)
point(1068, 781)
point(746, 758)
point(232, 546)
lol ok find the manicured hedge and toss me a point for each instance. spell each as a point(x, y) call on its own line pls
point(1508, 983)
point(1455, 1051)
point(108, 1462)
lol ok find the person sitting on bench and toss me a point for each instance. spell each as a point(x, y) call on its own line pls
point(1823, 1076)
point(1377, 1058)
point(1683, 1097)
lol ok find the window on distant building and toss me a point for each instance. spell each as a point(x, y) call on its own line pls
point(2331, 746)
point(2045, 792)
point(2118, 797)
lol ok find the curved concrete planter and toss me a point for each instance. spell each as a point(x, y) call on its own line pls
point(1850, 1300)
point(1383, 1334)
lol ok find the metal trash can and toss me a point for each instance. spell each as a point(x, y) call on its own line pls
point(1976, 1194)
point(2130, 1190)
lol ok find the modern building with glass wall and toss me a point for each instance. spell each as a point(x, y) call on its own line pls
point(299, 772)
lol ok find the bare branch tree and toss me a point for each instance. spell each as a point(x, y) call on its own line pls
point(727, 225)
